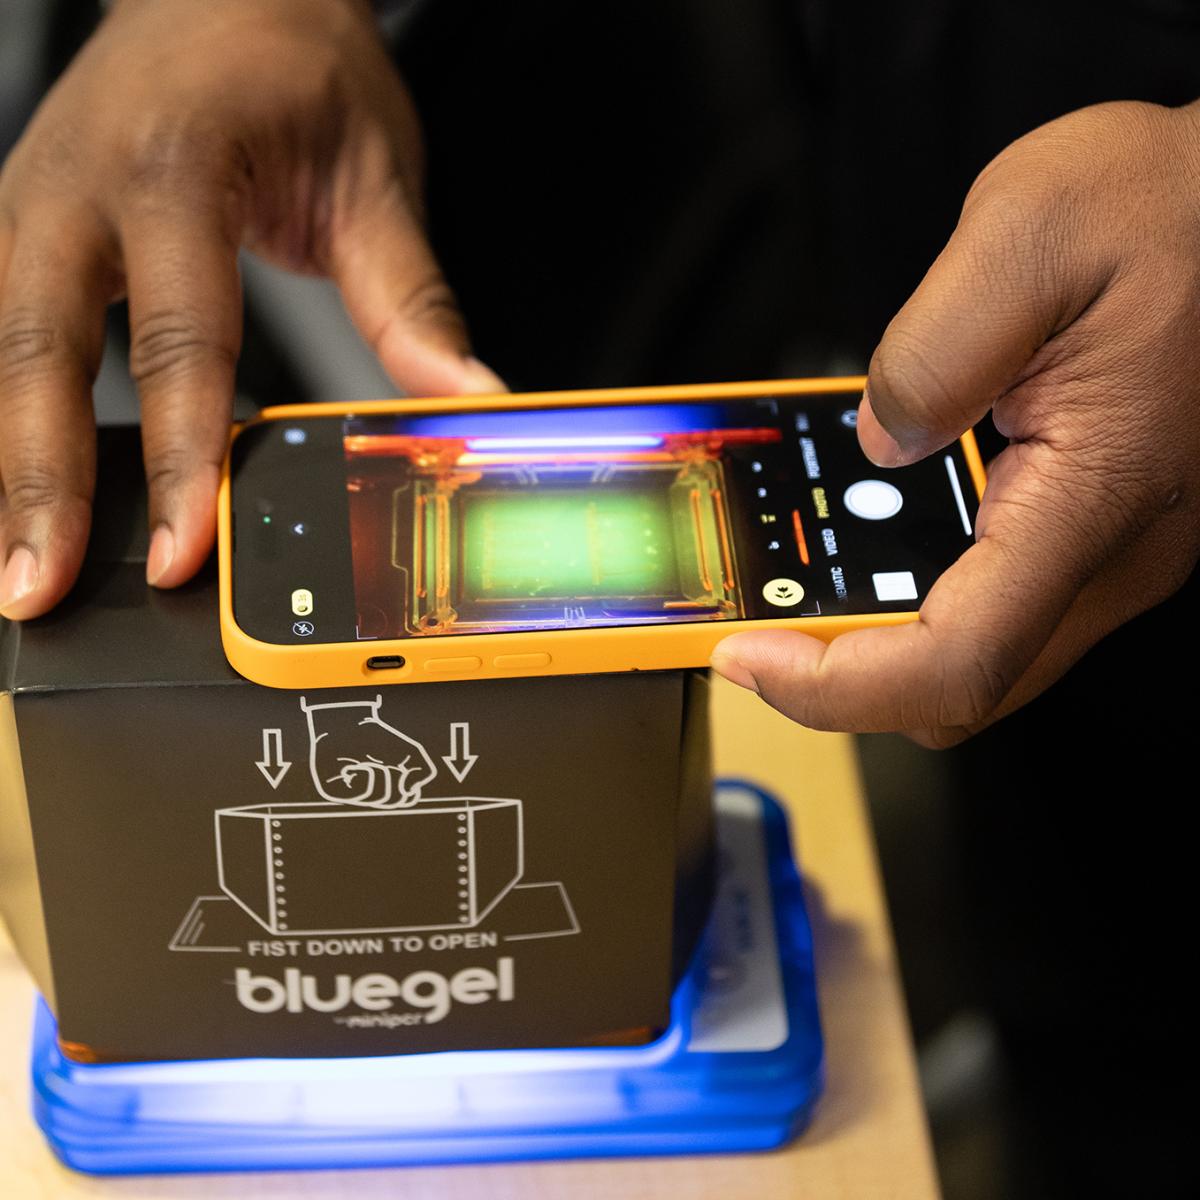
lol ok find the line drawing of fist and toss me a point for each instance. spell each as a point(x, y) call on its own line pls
point(356, 757)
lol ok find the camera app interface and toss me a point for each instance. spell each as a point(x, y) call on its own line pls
point(631, 515)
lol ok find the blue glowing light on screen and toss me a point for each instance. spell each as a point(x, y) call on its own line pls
point(613, 421)
point(629, 441)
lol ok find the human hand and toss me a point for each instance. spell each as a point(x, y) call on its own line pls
point(182, 132)
point(1068, 302)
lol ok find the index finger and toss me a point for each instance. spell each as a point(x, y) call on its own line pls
point(185, 324)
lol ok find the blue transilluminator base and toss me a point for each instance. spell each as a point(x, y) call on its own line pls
point(738, 1069)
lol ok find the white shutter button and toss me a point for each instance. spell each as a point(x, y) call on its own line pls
point(873, 499)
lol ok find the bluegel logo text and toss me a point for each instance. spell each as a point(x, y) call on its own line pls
point(430, 992)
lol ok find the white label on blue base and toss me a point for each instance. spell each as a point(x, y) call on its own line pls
point(741, 1007)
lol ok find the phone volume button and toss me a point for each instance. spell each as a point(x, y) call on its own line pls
point(521, 662)
point(453, 666)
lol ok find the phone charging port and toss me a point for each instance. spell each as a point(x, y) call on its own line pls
point(385, 662)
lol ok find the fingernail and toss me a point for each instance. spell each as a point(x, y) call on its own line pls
point(733, 670)
point(480, 379)
point(877, 444)
point(162, 554)
point(19, 579)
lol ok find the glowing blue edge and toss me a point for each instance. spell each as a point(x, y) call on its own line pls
point(632, 441)
point(598, 420)
point(664, 1098)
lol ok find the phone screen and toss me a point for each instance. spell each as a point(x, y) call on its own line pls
point(462, 522)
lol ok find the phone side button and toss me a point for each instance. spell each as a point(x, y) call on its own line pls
point(521, 662)
point(452, 666)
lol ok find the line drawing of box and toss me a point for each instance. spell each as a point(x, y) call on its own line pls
point(322, 868)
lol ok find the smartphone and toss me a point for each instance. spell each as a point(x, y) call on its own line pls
point(570, 532)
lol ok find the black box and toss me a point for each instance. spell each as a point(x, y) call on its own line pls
point(196, 867)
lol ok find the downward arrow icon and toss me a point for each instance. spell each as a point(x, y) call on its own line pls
point(272, 766)
point(460, 760)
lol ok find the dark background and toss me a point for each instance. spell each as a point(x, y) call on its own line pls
point(689, 190)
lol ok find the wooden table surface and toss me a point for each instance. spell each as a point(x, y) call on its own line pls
point(869, 1138)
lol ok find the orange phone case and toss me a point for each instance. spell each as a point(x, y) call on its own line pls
point(526, 653)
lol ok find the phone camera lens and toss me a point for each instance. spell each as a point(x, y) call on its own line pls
point(295, 436)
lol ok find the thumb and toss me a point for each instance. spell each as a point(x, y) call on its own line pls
point(396, 295)
point(996, 293)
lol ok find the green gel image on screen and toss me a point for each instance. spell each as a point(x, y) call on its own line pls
point(568, 542)
point(512, 547)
